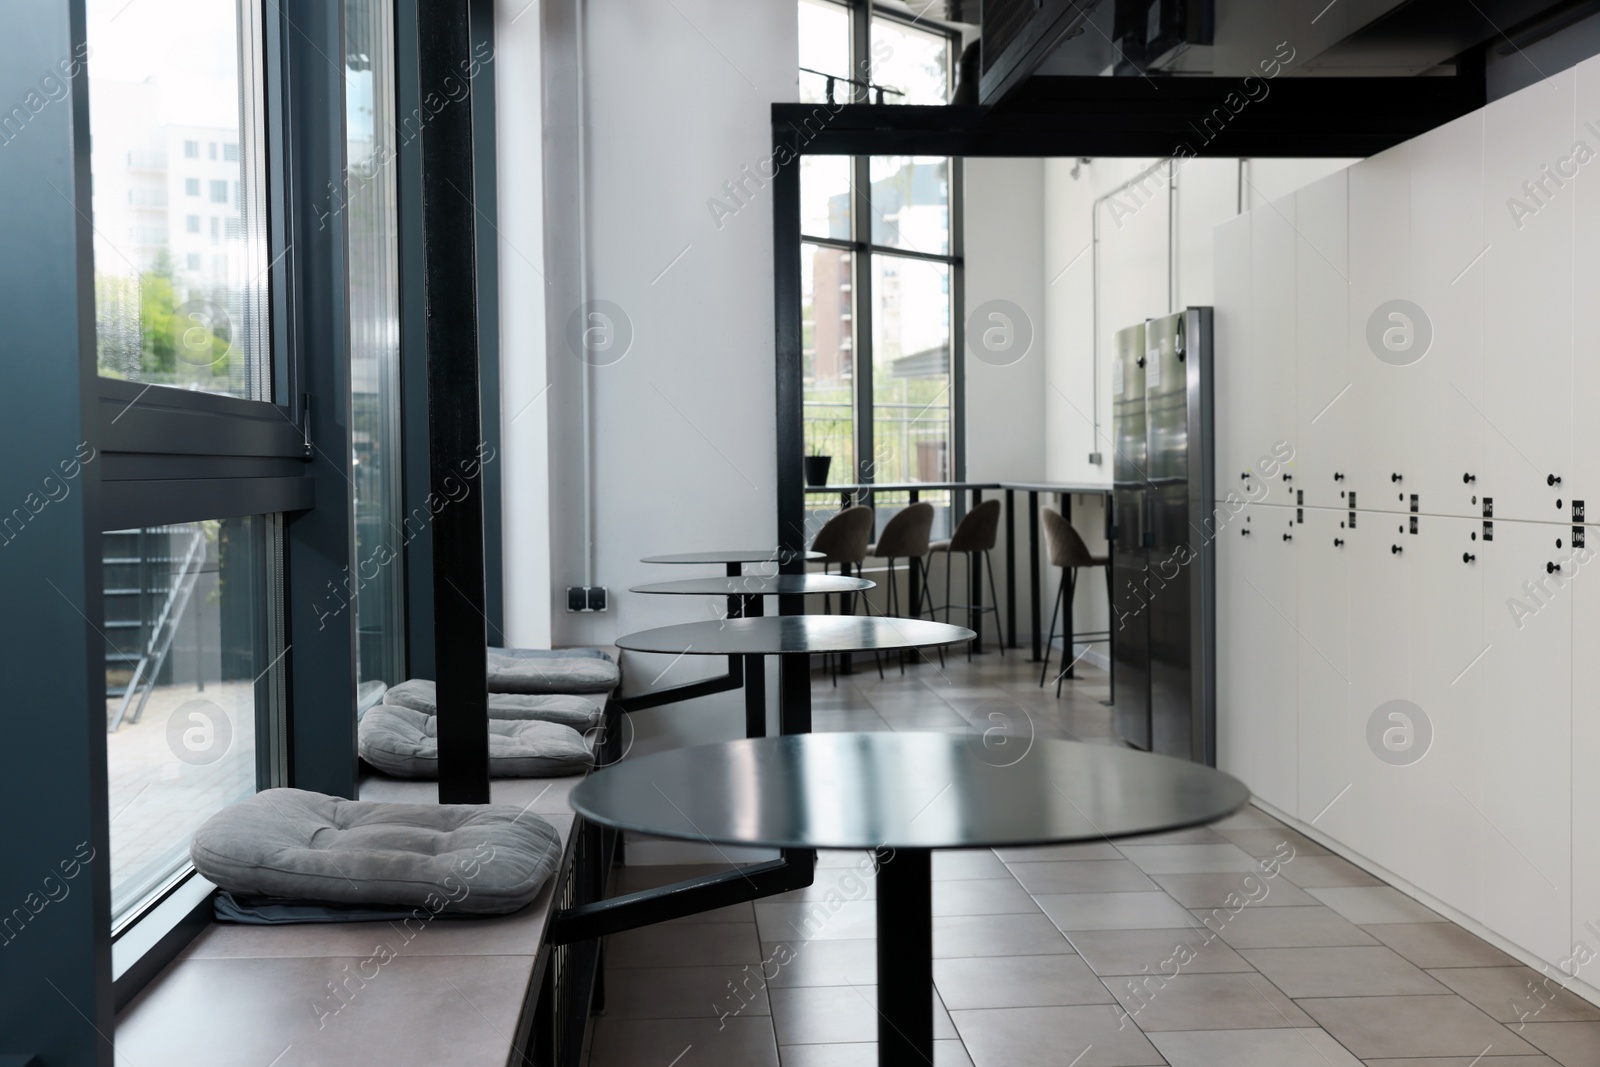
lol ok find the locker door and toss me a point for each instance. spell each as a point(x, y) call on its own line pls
point(1270, 392)
point(1268, 680)
point(1380, 275)
point(1324, 429)
point(1446, 395)
point(1586, 746)
point(1232, 362)
point(1516, 789)
point(1584, 482)
point(1448, 652)
point(1322, 548)
point(1234, 735)
point(1527, 327)
point(1370, 816)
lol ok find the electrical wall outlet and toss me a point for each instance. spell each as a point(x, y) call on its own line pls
point(586, 598)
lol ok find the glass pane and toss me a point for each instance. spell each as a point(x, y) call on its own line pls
point(824, 48)
point(827, 338)
point(911, 399)
point(187, 644)
point(179, 245)
point(911, 203)
point(912, 60)
point(825, 196)
point(374, 339)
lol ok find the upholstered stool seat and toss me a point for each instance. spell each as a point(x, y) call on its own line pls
point(552, 670)
point(405, 743)
point(580, 713)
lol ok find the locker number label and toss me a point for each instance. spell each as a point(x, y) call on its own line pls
point(1399, 733)
point(1399, 332)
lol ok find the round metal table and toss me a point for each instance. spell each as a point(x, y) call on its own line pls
point(744, 593)
point(903, 795)
point(734, 558)
point(795, 638)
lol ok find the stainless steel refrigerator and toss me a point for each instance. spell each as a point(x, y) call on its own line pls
point(1163, 561)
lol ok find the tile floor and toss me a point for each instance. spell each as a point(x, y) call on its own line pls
point(1080, 956)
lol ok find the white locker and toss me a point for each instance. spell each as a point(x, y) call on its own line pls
point(1584, 481)
point(1528, 213)
point(1445, 386)
point(1586, 755)
point(1324, 420)
point(1448, 651)
point(1326, 745)
point(1267, 408)
point(1370, 817)
point(1380, 394)
point(1267, 688)
point(1514, 791)
point(1231, 340)
point(1233, 560)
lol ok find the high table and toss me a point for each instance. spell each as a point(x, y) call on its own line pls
point(733, 561)
point(748, 589)
point(903, 795)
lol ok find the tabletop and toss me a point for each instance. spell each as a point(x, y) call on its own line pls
point(776, 635)
point(734, 555)
point(759, 585)
point(905, 790)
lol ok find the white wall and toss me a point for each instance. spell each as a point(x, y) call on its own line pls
point(525, 396)
point(1492, 812)
point(677, 100)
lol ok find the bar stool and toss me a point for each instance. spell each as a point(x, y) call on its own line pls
point(1068, 552)
point(843, 539)
point(974, 537)
point(905, 535)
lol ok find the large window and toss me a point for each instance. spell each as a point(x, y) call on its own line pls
point(879, 265)
point(172, 307)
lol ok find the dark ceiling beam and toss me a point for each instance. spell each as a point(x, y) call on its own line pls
point(1155, 117)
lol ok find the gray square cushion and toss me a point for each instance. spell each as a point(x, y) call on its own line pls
point(547, 670)
point(289, 844)
point(580, 713)
point(405, 743)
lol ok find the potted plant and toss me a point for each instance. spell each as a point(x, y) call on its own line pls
point(817, 462)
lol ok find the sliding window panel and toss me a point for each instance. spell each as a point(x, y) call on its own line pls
point(915, 61)
point(191, 689)
point(825, 197)
point(911, 204)
point(828, 365)
point(912, 398)
point(180, 246)
point(824, 50)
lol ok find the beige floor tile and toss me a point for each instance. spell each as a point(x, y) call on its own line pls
point(1467, 1061)
point(1115, 911)
point(686, 992)
point(1046, 853)
point(1198, 835)
point(684, 945)
point(1087, 1036)
point(1341, 972)
point(864, 1054)
point(1320, 872)
point(1086, 876)
point(832, 1015)
point(1569, 1044)
point(1517, 994)
point(1375, 904)
point(983, 896)
point(962, 864)
point(1251, 818)
point(1299, 1047)
point(822, 962)
point(1430, 945)
point(810, 920)
point(1189, 859)
point(1129, 952)
point(996, 935)
point(1270, 842)
point(1205, 1002)
point(1017, 982)
point(740, 1042)
point(1216, 889)
point(1316, 927)
point(1377, 1027)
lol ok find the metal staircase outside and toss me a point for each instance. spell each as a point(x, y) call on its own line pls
point(150, 577)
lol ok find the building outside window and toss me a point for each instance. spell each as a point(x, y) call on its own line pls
point(879, 248)
point(191, 150)
point(219, 192)
point(191, 187)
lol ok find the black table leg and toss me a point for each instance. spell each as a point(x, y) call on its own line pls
point(905, 957)
point(974, 587)
point(915, 570)
point(794, 693)
point(755, 681)
point(1033, 568)
point(1011, 568)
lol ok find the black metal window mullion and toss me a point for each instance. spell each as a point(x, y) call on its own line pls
point(861, 317)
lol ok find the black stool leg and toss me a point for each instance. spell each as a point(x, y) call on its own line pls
point(1049, 642)
point(994, 598)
